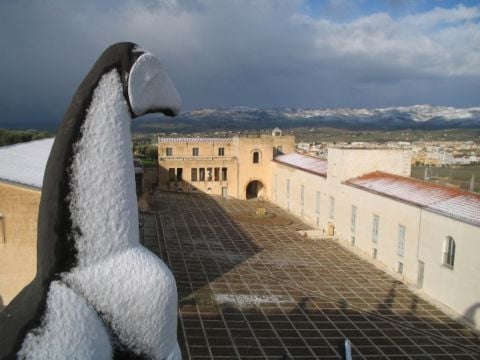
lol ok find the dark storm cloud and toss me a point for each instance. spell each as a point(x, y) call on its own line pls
point(254, 53)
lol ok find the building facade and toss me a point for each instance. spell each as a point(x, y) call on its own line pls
point(237, 166)
point(424, 234)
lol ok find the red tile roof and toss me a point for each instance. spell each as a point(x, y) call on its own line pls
point(455, 203)
point(304, 162)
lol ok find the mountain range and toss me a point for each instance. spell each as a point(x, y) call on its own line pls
point(246, 118)
point(424, 117)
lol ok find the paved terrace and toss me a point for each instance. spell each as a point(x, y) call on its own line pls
point(261, 291)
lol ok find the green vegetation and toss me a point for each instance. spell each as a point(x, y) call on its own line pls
point(146, 152)
point(457, 176)
point(9, 137)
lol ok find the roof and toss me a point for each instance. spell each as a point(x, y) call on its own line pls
point(454, 203)
point(304, 162)
point(25, 163)
point(194, 140)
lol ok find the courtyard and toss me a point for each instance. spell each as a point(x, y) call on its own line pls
point(254, 287)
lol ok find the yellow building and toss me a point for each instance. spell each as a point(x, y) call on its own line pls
point(21, 175)
point(237, 166)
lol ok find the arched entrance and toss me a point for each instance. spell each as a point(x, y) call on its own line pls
point(254, 189)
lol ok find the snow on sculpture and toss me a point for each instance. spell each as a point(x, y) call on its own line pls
point(97, 293)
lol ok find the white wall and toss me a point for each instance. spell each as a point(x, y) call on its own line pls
point(425, 232)
point(459, 288)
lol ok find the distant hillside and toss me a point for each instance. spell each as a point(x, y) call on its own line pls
point(420, 117)
point(424, 117)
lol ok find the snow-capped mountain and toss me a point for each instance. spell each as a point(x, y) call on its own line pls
point(248, 118)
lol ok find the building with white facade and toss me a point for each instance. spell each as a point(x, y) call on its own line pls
point(426, 234)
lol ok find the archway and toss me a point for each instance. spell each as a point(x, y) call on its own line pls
point(254, 189)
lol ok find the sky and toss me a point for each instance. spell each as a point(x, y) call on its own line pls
point(257, 53)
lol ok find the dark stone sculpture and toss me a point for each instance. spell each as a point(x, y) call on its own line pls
point(64, 254)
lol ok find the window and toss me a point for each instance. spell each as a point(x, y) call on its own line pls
point(401, 240)
point(201, 174)
point(221, 151)
point(332, 207)
point(449, 252)
point(209, 174)
point(194, 174)
point(353, 219)
point(179, 174)
point(195, 151)
point(352, 240)
point(317, 203)
point(400, 268)
point(169, 152)
point(256, 157)
point(224, 174)
point(374, 254)
point(171, 174)
point(376, 221)
point(217, 174)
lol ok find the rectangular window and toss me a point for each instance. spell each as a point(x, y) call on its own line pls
point(401, 240)
point(201, 174)
point(195, 151)
point(169, 152)
point(179, 174)
point(375, 229)
point(224, 174)
point(400, 268)
point(332, 207)
point(221, 151)
point(353, 219)
point(171, 174)
point(194, 174)
point(352, 240)
point(217, 174)
point(317, 203)
point(449, 254)
point(209, 174)
point(374, 254)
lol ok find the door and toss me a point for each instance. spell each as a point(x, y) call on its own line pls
point(421, 270)
point(224, 192)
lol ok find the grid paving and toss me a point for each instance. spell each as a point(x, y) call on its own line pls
point(253, 291)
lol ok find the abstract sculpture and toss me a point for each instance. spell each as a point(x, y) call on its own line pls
point(97, 293)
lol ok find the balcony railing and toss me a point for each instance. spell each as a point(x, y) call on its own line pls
point(196, 158)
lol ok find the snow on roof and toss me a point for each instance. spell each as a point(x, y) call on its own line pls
point(25, 163)
point(304, 162)
point(455, 203)
point(194, 140)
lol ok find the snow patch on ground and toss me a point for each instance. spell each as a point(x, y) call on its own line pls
point(25, 163)
point(71, 329)
point(246, 300)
